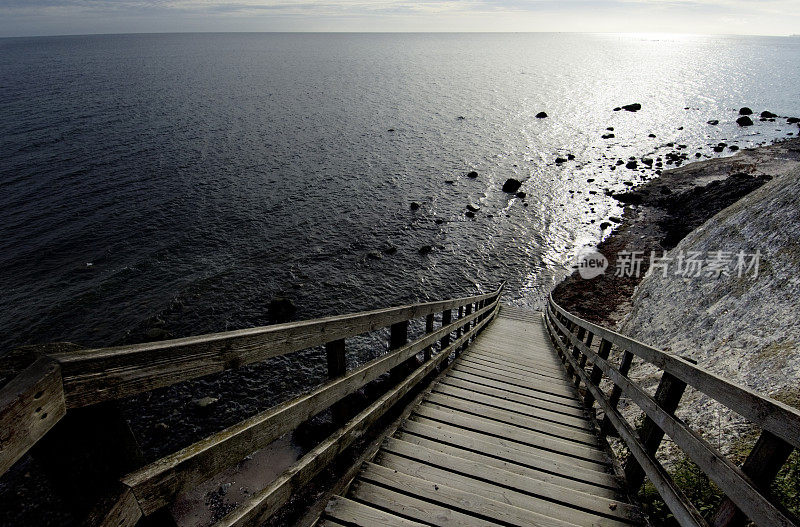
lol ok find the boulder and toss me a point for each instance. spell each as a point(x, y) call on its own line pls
point(651, 135)
point(570, 157)
point(469, 214)
point(425, 249)
point(605, 225)
point(713, 122)
point(793, 120)
point(414, 205)
point(607, 136)
point(610, 128)
point(541, 115)
point(560, 160)
point(744, 121)
point(635, 107)
point(632, 165)
point(768, 115)
point(472, 174)
point(511, 185)
point(473, 208)
point(617, 109)
point(521, 195)
point(281, 309)
point(745, 111)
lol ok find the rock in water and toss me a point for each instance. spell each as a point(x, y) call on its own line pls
point(745, 111)
point(744, 121)
point(793, 120)
point(414, 205)
point(768, 115)
point(635, 107)
point(473, 208)
point(713, 122)
point(521, 195)
point(425, 249)
point(541, 115)
point(632, 165)
point(560, 160)
point(281, 309)
point(511, 185)
point(472, 174)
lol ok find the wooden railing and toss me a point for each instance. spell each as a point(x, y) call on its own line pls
point(54, 386)
point(585, 349)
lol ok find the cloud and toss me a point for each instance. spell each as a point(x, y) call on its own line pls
point(765, 16)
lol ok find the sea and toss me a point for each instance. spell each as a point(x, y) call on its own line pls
point(184, 180)
point(165, 185)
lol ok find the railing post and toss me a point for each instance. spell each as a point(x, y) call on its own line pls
point(603, 351)
point(459, 329)
point(616, 392)
point(447, 316)
point(583, 356)
point(337, 366)
point(668, 395)
point(468, 326)
point(762, 465)
point(428, 329)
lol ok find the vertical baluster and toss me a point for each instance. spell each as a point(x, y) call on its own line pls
point(428, 329)
point(447, 316)
point(762, 465)
point(668, 395)
point(468, 326)
point(616, 392)
point(604, 350)
point(337, 366)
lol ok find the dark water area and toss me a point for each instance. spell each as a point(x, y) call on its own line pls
point(182, 181)
point(168, 185)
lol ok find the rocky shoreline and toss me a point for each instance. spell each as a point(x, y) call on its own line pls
point(660, 213)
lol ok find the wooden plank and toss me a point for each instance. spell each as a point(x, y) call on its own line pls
point(530, 392)
point(95, 375)
point(424, 511)
point(528, 371)
point(567, 422)
point(30, 405)
point(121, 509)
point(351, 512)
point(733, 482)
point(551, 447)
point(315, 510)
point(156, 484)
point(265, 502)
point(536, 368)
point(557, 392)
point(455, 499)
point(512, 418)
point(506, 395)
point(679, 505)
point(489, 481)
point(525, 463)
point(774, 416)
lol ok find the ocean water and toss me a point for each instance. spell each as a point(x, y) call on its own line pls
point(183, 180)
point(178, 182)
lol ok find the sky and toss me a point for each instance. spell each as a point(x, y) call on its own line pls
point(70, 17)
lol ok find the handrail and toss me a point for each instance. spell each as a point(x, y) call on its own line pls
point(95, 375)
point(745, 488)
point(35, 400)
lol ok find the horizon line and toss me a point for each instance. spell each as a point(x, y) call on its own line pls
point(789, 35)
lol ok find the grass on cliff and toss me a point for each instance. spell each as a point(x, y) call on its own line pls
point(706, 496)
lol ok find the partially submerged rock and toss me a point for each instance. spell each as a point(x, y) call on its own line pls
point(744, 121)
point(635, 107)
